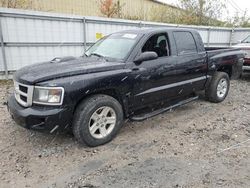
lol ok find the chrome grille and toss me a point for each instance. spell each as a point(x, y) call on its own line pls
point(23, 94)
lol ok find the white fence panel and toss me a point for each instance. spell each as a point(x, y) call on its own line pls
point(30, 37)
point(18, 57)
point(37, 30)
point(105, 28)
point(240, 35)
point(1, 62)
point(220, 37)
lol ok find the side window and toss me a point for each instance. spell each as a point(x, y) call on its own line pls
point(185, 42)
point(157, 43)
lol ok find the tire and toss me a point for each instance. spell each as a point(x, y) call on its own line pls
point(97, 120)
point(218, 88)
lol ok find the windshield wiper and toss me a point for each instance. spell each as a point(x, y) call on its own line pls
point(99, 55)
point(96, 54)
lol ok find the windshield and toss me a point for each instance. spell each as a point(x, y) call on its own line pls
point(246, 40)
point(115, 46)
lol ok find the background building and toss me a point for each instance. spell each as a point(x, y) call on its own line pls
point(150, 10)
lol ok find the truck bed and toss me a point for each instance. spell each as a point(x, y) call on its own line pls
point(228, 58)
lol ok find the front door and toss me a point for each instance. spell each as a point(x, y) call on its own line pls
point(152, 78)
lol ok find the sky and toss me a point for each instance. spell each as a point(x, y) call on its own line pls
point(232, 7)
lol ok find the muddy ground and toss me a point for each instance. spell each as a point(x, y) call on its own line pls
point(197, 145)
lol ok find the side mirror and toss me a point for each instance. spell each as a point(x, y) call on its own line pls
point(146, 56)
point(239, 41)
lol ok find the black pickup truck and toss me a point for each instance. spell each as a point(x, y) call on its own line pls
point(132, 74)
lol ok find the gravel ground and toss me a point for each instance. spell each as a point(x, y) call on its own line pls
point(200, 144)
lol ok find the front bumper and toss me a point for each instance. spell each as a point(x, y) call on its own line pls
point(40, 118)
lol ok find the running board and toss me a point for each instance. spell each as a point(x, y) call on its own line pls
point(154, 113)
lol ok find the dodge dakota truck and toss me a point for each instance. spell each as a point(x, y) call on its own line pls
point(244, 45)
point(133, 74)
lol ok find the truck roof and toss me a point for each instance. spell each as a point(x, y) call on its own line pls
point(152, 30)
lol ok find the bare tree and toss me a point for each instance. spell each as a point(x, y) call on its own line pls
point(239, 20)
point(16, 3)
point(202, 12)
point(165, 14)
point(22, 4)
point(111, 8)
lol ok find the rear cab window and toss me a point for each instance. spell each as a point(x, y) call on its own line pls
point(185, 42)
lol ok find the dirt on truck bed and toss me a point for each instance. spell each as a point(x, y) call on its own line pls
point(200, 144)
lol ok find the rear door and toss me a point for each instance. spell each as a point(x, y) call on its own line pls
point(191, 65)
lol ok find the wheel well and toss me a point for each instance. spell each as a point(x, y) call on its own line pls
point(109, 92)
point(227, 69)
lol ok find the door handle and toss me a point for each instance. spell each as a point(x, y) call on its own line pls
point(138, 69)
point(169, 67)
point(200, 61)
point(213, 66)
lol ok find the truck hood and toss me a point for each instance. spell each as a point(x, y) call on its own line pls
point(64, 67)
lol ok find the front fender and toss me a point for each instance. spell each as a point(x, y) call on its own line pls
point(77, 88)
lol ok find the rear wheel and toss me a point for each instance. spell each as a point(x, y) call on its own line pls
point(219, 86)
point(97, 120)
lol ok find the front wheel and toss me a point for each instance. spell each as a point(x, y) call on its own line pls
point(97, 120)
point(219, 86)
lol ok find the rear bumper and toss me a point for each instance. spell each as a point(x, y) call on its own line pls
point(246, 62)
point(39, 118)
point(246, 68)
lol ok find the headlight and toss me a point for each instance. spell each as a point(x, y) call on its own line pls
point(48, 95)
